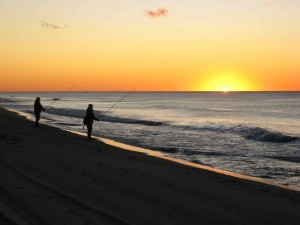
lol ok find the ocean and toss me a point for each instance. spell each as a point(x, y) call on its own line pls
point(251, 133)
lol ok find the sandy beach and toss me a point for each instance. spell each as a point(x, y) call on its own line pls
point(54, 177)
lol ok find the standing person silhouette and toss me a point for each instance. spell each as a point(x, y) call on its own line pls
point(37, 110)
point(90, 117)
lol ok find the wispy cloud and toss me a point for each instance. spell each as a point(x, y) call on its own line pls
point(268, 3)
point(160, 12)
point(45, 24)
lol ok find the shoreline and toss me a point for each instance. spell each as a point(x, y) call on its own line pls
point(161, 155)
point(53, 177)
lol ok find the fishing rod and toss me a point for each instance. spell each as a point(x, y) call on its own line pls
point(102, 114)
point(59, 97)
point(118, 101)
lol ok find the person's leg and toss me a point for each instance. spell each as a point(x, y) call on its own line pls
point(37, 119)
point(89, 131)
point(89, 134)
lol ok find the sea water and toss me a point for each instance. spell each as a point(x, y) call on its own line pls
point(251, 133)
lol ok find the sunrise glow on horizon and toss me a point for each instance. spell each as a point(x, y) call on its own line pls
point(170, 45)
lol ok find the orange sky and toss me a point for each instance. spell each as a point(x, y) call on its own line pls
point(209, 45)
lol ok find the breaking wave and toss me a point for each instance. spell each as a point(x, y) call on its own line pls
point(260, 134)
point(251, 133)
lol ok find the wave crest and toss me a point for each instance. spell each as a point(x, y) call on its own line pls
point(260, 134)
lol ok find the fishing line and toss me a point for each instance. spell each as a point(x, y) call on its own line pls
point(102, 114)
point(59, 97)
point(118, 102)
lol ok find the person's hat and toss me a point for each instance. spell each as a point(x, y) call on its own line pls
point(90, 105)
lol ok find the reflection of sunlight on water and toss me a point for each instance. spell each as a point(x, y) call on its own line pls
point(218, 120)
point(220, 109)
point(24, 114)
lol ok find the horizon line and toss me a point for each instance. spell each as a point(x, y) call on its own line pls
point(142, 91)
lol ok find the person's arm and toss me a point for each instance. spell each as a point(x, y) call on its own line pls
point(95, 118)
point(42, 107)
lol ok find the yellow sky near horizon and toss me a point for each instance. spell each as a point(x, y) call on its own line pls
point(171, 45)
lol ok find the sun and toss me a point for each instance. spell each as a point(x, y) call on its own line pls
point(225, 89)
point(225, 82)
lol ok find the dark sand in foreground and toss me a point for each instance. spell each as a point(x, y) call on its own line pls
point(50, 176)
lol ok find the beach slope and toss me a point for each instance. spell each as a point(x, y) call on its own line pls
point(53, 177)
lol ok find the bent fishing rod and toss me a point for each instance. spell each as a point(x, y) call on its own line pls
point(60, 96)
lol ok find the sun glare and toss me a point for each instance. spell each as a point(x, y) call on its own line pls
point(225, 82)
point(226, 89)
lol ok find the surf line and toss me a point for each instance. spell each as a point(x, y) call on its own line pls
point(60, 96)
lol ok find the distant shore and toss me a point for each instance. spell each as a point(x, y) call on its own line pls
point(50, 176)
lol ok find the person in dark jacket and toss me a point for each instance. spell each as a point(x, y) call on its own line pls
point(90, 117)
point(37, 110)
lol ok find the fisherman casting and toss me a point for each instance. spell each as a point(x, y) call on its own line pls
point(89, 119)
point(37, 110)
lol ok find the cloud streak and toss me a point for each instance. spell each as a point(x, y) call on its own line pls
point(267, 2)
point(160, 12)
point(45, 24)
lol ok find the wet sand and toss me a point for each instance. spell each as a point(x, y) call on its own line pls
point(50, 176)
